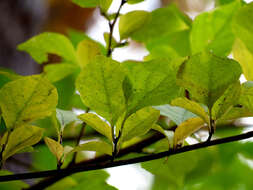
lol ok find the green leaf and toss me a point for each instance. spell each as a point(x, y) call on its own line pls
point(174, 113)
point(246, 98)
point(140, 122)
point(242, 54)
point(153, 82)
point(65, 117)
point(212, 30)
point(191, 106)
point(87, 3)
point(226, 101)
point(96, 145)
point(21, 138)
point(87, 50)
point(27, 99)
point(207, 76)
point(100, 86)
point(105, 5)
point(39, 46)
point(55, 147)
point(242, 25)
point(134, 1)
point(11, 185)
point(131, 22)
point(187, 128)
point(56, 72)
point(163, 22)
point(96, 123)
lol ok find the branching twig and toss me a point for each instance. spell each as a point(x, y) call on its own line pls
point(108, 164)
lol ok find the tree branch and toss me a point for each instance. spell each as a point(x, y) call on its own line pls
point(107, 164)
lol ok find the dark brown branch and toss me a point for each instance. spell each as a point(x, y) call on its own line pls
point(108, 164)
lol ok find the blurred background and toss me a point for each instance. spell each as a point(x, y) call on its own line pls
point(22, 19)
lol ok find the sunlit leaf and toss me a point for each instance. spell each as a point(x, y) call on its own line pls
point(96, 123)
point(55, 147)
point(41, 45)
point(20, 138)
point(100, 86)
point(207, 76)
point(27, 99)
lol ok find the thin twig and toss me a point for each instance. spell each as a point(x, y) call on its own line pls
point(108, 164)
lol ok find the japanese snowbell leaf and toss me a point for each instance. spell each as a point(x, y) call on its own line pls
point(100, 87)
point(191, 106)
point(105, 5)
point(226, 101)
point(20, 138)
point(134, 1)
point(168, 134)
point(131, 22)
point(162, 22)
point(209, 29)
point(65, 117)
point(26, 149)
point(187, 128)
point(153, 82)
point(242, 54)
point(86, 3)
point(56, 72)
point(96, 145)
point(11, 185)
point(55, 147)
point(27, 99)
point(174, 113)
point(244, 30)
point(87, 50)
point(246, 98)
point(140, 122)
point(207, 76)
point(41, 45)
point(96, 123)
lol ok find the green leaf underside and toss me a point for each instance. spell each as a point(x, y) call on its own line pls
point(27, 99)
point(207, 76)
point(65, 117)
point(191, 106)
point(153, 82)
point(174, 113)
point(96, 123)
point(96, 145)
point(100, 86)
point(21, 138)
point(41, 45)
point(140, 122)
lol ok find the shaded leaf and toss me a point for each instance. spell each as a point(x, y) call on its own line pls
point(87, 3)
point(27, 99)
point(11, 185)
point(105, 5)
point(65, 117)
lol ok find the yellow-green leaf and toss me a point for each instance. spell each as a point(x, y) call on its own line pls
point(55, 147)
point(96, 145)
point(105, 5)
point(27, 99)
point(87, 50)
point(226, 101)
point(191, 106)
point(21, 138)
point(100, 87)
point(187, 128)
point(96, 123)
point(131, 22)
point(140, 122)
point(41, 45)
